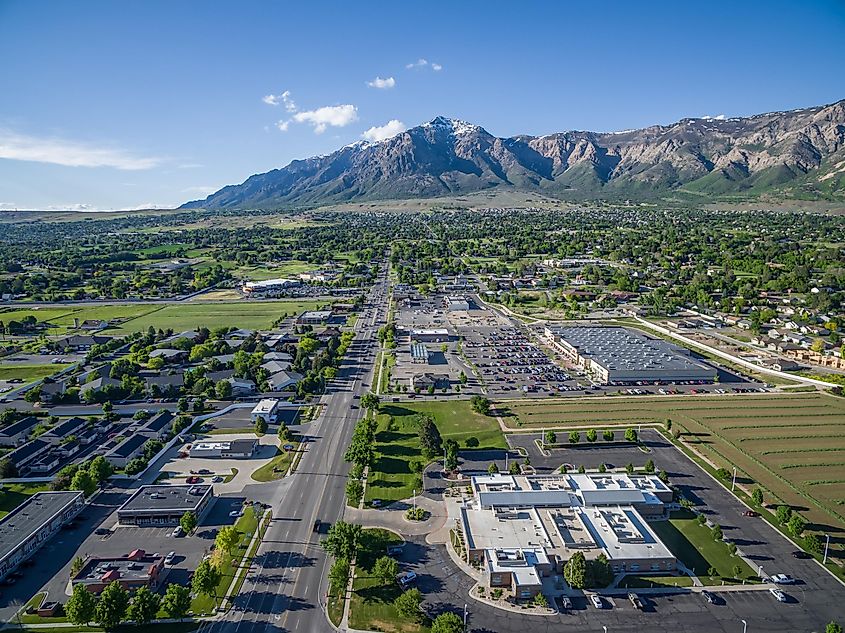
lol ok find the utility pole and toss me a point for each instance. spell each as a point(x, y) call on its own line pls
point(744, 626)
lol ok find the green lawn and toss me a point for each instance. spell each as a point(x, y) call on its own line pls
point(243, 314)
point(286, 269)
point(694, 545)
point(371, 604)
point(12, 495)
point(246, 525)
point(634, 581)
point(28, 373)
point(397, 442)
point(277, 467)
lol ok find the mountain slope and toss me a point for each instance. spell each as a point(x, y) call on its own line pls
point(800, 153)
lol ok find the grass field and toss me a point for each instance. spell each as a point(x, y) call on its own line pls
point(371, 604)
point(28, 373)
point(793, 445)
point(12, 495)
point(277, 467)
point(397, 442)
point(244, 314)
point(694, 545)
point(61, 319)
point(286, 269)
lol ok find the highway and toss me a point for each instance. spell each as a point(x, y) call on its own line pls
point(285, 589)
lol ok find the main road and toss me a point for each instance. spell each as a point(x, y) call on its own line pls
point(286, 587)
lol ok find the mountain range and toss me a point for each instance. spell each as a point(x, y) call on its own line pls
point(796, 154)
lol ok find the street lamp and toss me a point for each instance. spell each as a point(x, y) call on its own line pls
point(466, 611)
point(744, 626)
point(826, 545)
point(604, 627)
point(733, 481)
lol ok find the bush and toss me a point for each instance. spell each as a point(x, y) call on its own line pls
point(608, 435)
point(416, 514)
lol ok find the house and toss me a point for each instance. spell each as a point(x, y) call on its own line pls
point(157, 427)
point(22, 456)
point(327, 334)
point(241, 386)
point(62, 431)
point(98, 384)
point(275, 366)
point(164, 384)
point(424, 382)
point(80, 342)
point(283, 379)
point(94, 324)
point(52, 390)
point(278, 356)
point(17, 432)
point(217, 376)
point(126, 451)
point(266, 409)
point(169, 355)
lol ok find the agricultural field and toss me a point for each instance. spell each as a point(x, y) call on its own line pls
point(60, 320)
point(397, 442)
point(244, 314)
point(282, 270)
point(793, 445)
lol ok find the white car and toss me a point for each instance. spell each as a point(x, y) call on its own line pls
point(597, 601)
point(783, 579)
point(177, 531)
point(778, 594)
point(169, 558)
point(236, 513)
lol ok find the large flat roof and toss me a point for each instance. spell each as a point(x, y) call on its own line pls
point(24, 521)
point(154, 499)
point(619, 349)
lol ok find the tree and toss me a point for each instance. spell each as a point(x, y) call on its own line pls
point(783, 513)
point(408, 604)
point(100, 469)
point(370, 401)
point(223, 390)
point(629, 468)
point(757, 496)
point(206, 579)
point(601, 571)
point(80, 606)
point(796, 525)
point(386, 569)
point(144, 606)
point(737, 571)
point(447, 623)
point(541, 601)
point(33, 395)
point(112, 605)
point(813, 543)
point(480, 404)
point(663, 476)
point(514, 468)
point(833, 627)
point(608, 435)
point(260, 425)
point(285, 434)
point(83, 481)
point(76, 565)
point(592, 435)
point(493, 468)
point(342, 540)
point(649, 467)
point(550, 437)
point(631, 435)
point(176, 601)
point(668, 424)
point(575, 571)
point(430, 440)
point(574, 437)
point(581, 469)
point(135, 466)
point(339, 576)
point(451, 450)
point(817, 345)
point(188, 522)
point(354, 492)
point(716, 532)
point(732, 549)
point(227, 538)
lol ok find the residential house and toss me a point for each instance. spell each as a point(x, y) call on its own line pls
point(126, 451)
point(283, 379)
point(170, 355)
point(18, 432)
point(80, 342)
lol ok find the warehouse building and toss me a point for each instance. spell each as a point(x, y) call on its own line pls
point(616, 355)
point(520, 529)
point(164, 505)
point(225, 449)
point(26, 528)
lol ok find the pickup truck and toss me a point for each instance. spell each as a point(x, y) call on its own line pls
point(635, 600)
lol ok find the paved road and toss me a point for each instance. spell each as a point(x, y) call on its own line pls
point(285, 590)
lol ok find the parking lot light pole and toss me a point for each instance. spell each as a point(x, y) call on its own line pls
point(744, 626)
point(733, 480)
point(826, 545)
point(466, 611)
point(604, 627)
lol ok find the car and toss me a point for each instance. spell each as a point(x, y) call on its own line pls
point(102, 531)
point(216, 479)
point(318, 526)
point(168, 560)
point(177, 531)
point(565, 603)
point(236, 513)
point(778, 594)
point(709, 597)
point(750, 513)
point(406, 579)
point(801, 554)
point(783, 579)
point(597, 601)
point(635, 600)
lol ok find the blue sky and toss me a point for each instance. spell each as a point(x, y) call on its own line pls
point(125, 104)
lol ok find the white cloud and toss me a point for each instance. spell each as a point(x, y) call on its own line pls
point(282, 99)
point(379, 133)
point(14, 146)
point(424, 63)
point(382, 84)
point(322, 118)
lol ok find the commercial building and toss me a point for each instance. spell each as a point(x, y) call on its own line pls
point(267, 409)
point(616, 355)
point(457, 304)
point(164, 505)
point(225, 449)
point(314, 317)
point(26, 528)
point(133, 571)
point(523, 528)
point(436, 335)
point(426, 382)
point(269, 286)
point(419, 354)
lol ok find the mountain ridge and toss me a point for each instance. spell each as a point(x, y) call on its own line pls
point(797, 153)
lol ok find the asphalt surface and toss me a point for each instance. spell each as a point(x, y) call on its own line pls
point(285, 590)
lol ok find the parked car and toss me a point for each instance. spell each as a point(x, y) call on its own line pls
point(406, 579)
point(801, 554)
point(778, 594)
point(564, 603)
point(597, 601)
point(783, 579)
point(635, 600)
point(102, 531)
point(216, 479)
point(168, 560)
point(236, 513)
point(709, 597)
point(177, 531)
point(750, 513)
